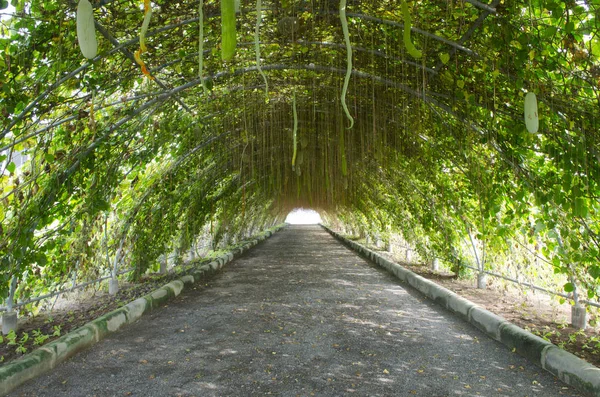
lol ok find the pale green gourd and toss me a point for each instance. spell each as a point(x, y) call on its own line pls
point(531, 113)
point(257, 44)
point(201, 45)
point(348, 60)
point(86, 31)
point(295, 112)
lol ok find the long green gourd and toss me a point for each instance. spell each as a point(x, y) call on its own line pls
point(348, 60)
point(228, 39)
point(145, 25)
point(410, 47)
point(257, 44)
point(295, 112)
point(201, 45)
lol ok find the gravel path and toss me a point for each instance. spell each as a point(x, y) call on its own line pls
point(298, 315)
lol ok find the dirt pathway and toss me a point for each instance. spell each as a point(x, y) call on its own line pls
point(298, 315)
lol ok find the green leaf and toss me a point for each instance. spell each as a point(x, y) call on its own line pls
point(580, 207)
point(575, 244)
point(41, 259)
point(3, 4)
point(569, 27)
point(568, 287)
point(550, 31)
point(444, 57)
point(596, 47)
point(11, 167)
point(594, 271)
point(19, 107)
point(460, 83)
point(540, 226)
point(49, 157)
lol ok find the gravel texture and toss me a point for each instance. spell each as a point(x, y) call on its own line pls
point(298, 315)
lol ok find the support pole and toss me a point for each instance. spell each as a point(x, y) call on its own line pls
point(435, 265)
point(481, 280)
point(579, 317)
point(9, 318)
point(113, 286)
point(163, 264)
point(578, 312)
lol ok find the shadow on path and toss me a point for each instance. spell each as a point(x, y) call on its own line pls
point(299, 314)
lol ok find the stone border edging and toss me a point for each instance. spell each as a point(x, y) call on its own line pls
point(50, 355)
point(569, 368)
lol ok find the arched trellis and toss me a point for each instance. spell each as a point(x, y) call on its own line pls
point(430, 107)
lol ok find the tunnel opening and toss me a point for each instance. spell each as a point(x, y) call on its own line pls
point(303, 216)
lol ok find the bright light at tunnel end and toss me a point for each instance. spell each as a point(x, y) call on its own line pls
point(301, 216)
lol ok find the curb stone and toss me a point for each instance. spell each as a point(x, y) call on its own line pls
point(569, 368)
point(47, 357)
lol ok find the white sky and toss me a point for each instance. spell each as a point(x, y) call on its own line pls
point(10, 10)
point(301, 216)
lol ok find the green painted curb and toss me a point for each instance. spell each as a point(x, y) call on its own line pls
point(569, 368)
point(43, 359)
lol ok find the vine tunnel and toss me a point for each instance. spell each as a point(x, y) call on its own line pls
point(124, 163)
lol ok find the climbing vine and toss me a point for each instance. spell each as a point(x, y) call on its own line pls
point(104, 168)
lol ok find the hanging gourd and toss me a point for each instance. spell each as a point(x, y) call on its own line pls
point(410, 47)
point(257, 44)
point(86, 31)
point(138, 54)
point(138, 60)
point(295, 112)
point(228, 34)
point(348, 60)
point(145, 25)
point(201, 45)
point(531, 113)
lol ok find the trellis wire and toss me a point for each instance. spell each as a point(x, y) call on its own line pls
point(63, 291)
point(526, 284)
point(532, 286)
point(71, 289)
